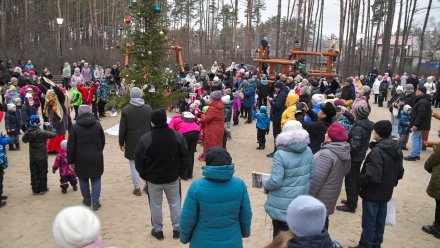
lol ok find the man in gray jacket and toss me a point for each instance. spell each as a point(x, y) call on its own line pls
point(135, 122)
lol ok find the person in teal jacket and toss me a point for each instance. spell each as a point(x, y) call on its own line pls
point(263, 126)
point(293, 167)
point(217, 211)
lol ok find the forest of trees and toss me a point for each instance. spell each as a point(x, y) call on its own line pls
point(211, 30)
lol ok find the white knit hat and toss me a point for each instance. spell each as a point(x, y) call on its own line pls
point(306, 216)
point(407, 108)
point(318, 97)
point(75, 227)
point(292, 125)
point(226, 99)
point(64, 144)
point(399, 88)
point(11, 106)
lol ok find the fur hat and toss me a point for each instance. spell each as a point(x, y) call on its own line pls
point(317, 98)
point(11, 106)
point(383, 128)
point(75, 227)
point(226, 99)
point(218, 155)
point(292, 136)
point(362, 113)
point(336, 132)
point(84, 108)
point(399, 88)
point(135, 92)
point(34, 121)
point(159, 117)
point(306, 216)
point(291, 125)
point(64, 145)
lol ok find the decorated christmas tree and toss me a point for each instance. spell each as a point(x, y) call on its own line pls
point(147, 46)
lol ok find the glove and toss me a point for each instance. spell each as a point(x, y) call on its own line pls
point(8, 132)
point(54, 170)
point(23, 128)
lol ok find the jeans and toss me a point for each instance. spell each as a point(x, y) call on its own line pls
point(279, 226)
point(373, 223)
point(395, 126)
point(155, 196)
point(416, 143)
point(84, 184)
point(134, 175)
point(351, 186)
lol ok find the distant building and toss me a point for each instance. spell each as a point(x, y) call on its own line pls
point(411, 49)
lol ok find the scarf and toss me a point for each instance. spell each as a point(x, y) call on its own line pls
point(53, 103)
point(137, 101)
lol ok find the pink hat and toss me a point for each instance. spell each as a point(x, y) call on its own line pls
point(336, 132)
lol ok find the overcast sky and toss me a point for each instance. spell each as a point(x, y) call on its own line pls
point(331, 13)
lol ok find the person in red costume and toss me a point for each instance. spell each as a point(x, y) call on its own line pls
point(87, 90)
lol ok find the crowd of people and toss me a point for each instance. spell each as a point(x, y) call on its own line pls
point(321, 133)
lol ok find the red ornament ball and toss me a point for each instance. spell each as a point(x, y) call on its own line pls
point(127, 20)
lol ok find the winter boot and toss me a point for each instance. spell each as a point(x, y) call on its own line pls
point(17, 146)
point(11, 147)
point(432, 229)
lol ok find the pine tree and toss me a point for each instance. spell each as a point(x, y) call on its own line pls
point(148, 46)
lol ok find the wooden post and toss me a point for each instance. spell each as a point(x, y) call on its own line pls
point(329, 62)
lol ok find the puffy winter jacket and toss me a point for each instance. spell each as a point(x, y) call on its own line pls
point(421, 113)
point(278, 105)
point(292, 168)
point(432, 165)
point(359, 138)
point(332, 164)
point(249, 96)
point(289, 113)
point(217, 211)
point(37, 139)
point(382, 169)
point(263, 121)
point(321, 240)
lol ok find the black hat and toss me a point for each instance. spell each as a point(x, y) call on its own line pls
point(383, 128)
point(313, 82)
point(329, 110)
point(159, 117)
point(278, 85)
point(422, 89)
point(217, 155)
point(349, 80)
point(362, 113)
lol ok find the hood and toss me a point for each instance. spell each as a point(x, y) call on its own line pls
point(294, 147)
point(296, 139)
point(285, 89)
point(425, 96)
point(264, 82)
point(390, 147)
point(314, 241)
point(86, 120)
point(220, 173)
point(366, 124)
point(293, 98)
point(340, 149)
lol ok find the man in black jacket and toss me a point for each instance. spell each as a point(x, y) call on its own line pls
point(348, 93)
point(278, 105)
point(382, 169)
point(420, 120)
point(359, 138)
point(161, 157)
point(409, 96)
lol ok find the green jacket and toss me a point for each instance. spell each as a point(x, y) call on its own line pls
point(76, 98)
point(432, 165)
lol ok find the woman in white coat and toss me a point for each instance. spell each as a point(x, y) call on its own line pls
point(375, 89)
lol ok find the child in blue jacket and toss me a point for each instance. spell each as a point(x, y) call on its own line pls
point(404, 126)
point(3, 165)
point(263, 126)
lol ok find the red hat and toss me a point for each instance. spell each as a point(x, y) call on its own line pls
point(32, 72)
point(336, 132)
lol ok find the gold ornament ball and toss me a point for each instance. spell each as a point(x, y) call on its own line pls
point(161, 33)
point(150, 52)
point(127, 76)
point(133, 81)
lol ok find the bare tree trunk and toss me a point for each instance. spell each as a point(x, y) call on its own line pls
point(422, 38)
point(298, 18)
point(248, 34)
point(396, 45)
point(277, 39)
point(406, 30)
point(234, 27)
point(303, 29)
point(387, 35)
point(342, 16)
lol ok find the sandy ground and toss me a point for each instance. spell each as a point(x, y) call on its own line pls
point(26, 220)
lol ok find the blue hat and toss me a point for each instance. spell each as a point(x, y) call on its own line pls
point(263, 109)
point(34, 121)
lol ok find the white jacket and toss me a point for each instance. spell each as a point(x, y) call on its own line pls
point(430, 88)
point(376, 86)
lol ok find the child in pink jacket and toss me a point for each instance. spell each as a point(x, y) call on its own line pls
point(67, 175)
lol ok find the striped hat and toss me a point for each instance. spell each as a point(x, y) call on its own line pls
point(362, 113)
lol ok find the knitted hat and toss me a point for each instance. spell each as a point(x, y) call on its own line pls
point(75, 227)
point(305, 90)
point(362, 113)
point(399, 88)
point(407, 108)
point(83, 109)
point(313, 82)
point(34, 121)
point(278, 85)
point(306, 216)
point(263, 109)
point(383, 128)
point(338, 102)
point(349, 80)
point(422, 89)
point(216, 95)
point(226, 99)
point(159, 117)
point(12, 88)
point(292, 125)
point(328, 109)
point(317, 98)
point(64, 144)
point(217, 155)
point(366, 89)
point(336, 132)
point(135, 92)
point(11, 106)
